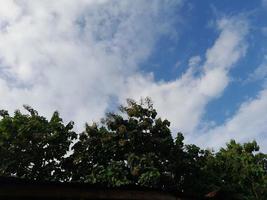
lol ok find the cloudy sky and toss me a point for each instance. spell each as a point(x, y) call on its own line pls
point(203, 63)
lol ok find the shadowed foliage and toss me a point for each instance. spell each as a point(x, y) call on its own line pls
point(132, 147)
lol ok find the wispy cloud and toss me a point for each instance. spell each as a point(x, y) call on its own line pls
point(183, 100)
point(264, 31)
point(260, 73)
point(248, 123)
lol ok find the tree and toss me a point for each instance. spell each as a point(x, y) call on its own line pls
point(31, 146)
point(128, 148)
point(132, 147)
point(240, 169)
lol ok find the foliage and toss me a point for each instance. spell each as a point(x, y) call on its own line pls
point(33, 147)
point(133, 147)
point(241, 169)
point(138, 144)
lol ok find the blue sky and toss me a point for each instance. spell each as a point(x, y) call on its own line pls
point(197, 34)
point(203, 63)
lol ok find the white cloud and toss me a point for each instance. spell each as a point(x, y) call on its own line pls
point(177, 64)
point(248, 123)
point(194, 61)
point(183, 101)
point(74, 56)
point(260, 73)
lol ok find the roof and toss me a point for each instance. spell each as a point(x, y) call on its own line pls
point(15, 188)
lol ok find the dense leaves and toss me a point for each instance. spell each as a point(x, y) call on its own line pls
point(240, 169)
point(33, 147)
point(133, 147)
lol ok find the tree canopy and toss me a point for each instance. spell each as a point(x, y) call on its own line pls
point(132, 147)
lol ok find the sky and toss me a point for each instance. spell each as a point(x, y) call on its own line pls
point(203, 63)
